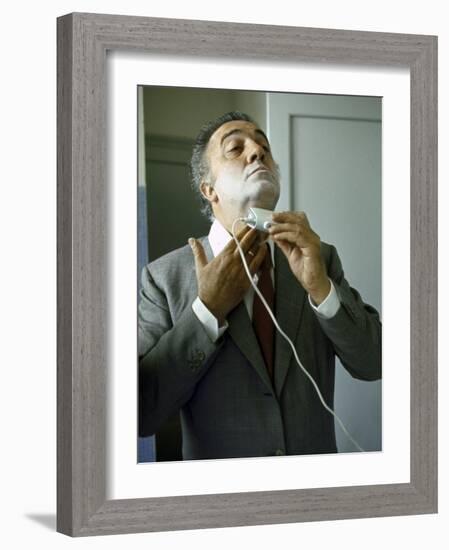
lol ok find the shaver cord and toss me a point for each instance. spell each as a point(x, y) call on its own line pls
point(245, 265)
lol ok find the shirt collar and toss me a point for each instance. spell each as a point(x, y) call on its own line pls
point(219, 238)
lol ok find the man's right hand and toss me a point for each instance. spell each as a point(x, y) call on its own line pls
point(223, 281)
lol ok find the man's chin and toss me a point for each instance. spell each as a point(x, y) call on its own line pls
point(264, 200)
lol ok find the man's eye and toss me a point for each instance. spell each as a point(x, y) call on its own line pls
point(233, 149)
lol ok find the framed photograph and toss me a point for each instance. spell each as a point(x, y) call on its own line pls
point(122, 83)
point(333, 139)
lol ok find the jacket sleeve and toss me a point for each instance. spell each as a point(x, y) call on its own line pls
point(173, 356)
point(355, 330)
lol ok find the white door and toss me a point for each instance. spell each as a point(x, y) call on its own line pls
point(329, 152)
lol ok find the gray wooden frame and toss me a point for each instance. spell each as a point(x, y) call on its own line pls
point(83, 40)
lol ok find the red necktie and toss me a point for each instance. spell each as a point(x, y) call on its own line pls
point(262, 322)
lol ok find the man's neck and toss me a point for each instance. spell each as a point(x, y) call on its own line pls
point(228, 217)
point(228, 221)
point(219, 236)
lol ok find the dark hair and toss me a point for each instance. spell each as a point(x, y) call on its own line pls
point(199, 166)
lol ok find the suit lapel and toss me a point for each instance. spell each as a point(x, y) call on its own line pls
point(242, 332)
point(289, 303)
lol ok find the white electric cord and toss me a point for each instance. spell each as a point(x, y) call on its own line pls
point(245, 265)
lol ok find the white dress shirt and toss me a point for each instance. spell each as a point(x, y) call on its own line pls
point(218, 239)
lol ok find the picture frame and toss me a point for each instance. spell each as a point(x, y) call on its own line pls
point(83, 41)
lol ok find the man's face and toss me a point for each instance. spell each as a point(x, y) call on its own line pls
point(243, 172)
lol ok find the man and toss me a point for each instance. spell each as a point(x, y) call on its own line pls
point(202, 352)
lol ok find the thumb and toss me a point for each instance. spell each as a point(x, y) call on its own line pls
point(198, 254)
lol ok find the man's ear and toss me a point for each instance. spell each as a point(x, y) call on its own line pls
point(208, 192)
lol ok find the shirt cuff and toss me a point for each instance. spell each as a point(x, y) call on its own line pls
point(329, 306)
point(209, 321)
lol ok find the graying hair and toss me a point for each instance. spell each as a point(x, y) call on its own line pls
point(199, 166)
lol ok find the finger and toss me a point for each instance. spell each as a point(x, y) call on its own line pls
point(283, 227)
point(284, 217)
point(231, 246)
point(198, 254)
point(257, 260)
point(292, 237)
point(250, 241)
point(251, 253)
point(290, 217)
point(242, 232)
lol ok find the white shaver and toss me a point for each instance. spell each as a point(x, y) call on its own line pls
point(260, 218)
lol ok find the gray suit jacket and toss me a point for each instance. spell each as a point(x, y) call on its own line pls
point(228, 405)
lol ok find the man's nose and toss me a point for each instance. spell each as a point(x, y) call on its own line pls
point(255, 152)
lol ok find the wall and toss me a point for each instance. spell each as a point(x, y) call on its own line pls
point(185, 109)
point(191, 108)
point(28, 232)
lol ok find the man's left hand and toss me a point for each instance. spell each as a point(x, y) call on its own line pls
point(302, 248)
